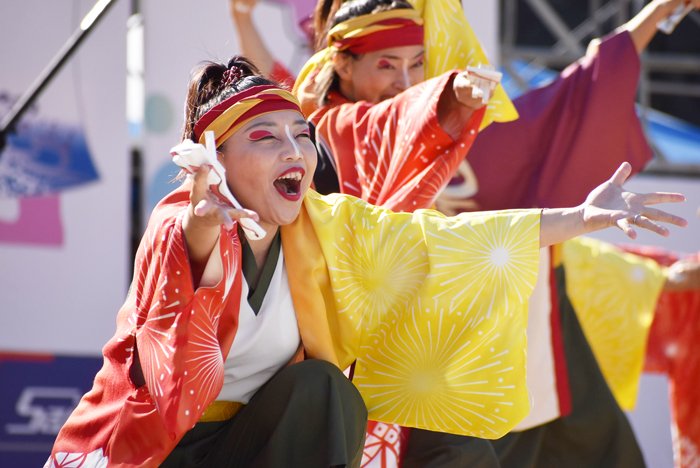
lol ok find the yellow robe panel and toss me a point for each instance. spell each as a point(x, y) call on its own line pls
point(614, 295)
point(434, 309)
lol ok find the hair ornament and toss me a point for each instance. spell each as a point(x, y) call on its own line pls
point(231, 75)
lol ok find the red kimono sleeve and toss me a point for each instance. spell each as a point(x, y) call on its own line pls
point(571, 135)
point(672, 350)
point(395, 154)
point(181, 335)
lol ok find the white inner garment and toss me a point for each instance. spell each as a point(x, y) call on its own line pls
point(264, 343)
point(541, 374)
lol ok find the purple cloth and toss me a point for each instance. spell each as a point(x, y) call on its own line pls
point(571, 135)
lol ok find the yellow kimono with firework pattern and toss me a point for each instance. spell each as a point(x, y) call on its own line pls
point(614, 294)
point(433, 309)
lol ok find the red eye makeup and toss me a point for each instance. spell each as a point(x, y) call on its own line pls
point(260, 134)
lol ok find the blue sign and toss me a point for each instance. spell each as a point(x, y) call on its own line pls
point(37, 394)
point(43, 158)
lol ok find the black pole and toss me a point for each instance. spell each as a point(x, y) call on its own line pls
point(137, 183)
point(9, 121)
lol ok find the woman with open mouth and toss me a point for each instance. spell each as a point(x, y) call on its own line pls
point(229, 351)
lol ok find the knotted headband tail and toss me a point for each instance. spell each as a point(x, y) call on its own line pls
point(450, 43)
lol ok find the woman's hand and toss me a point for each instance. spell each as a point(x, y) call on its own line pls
point(456, 108)
point(206, 211)
point(201, 225)
point(463, 87)
point(242, 7)
point(642, 27)
point(610, 205)
point(666, 7)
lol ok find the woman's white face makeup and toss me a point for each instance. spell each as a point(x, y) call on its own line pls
point(270, 163)
point(382, 74)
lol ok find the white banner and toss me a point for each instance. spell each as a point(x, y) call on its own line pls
point(64, 186)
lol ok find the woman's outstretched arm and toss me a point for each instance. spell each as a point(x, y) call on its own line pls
point(642, 27)
point(606, 206)
point(202, 222)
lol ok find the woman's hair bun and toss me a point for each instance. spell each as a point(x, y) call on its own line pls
point(213, 82)
point(231, 75)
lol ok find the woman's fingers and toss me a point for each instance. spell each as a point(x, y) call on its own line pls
point(662, 197)
point(621, 174)
point(466, 91)
point(227, 221)
point(230, 214)
point(626, 228)
point(203, 207)
point(646, 223)
point(664, 217)
point(238, 214)
point(199, 185)
point(206, 205)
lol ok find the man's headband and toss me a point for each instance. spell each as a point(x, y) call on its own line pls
point(228, 117)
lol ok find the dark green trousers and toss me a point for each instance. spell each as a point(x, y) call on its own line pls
point(309, 415)
point(427, 449)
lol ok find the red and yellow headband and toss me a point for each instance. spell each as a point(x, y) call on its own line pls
point(228, 117)
point(377, 31)
point(366, 33)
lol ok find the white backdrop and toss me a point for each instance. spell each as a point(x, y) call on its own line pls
point(63, 297)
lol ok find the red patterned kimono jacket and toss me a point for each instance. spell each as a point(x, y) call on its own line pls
point(394, 154)
point(140, 426)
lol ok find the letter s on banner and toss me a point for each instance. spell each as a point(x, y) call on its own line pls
point(46, 407)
